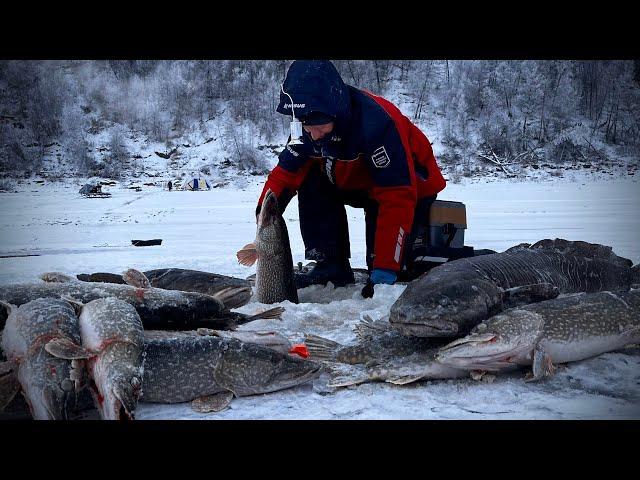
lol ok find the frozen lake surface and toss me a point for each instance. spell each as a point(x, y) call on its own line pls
point(54, 228)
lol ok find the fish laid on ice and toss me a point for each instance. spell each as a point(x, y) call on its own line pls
point(210, 370)
point(184, 353)
point(381, 354)
point(233, 292)
point(565, 329)
point(270, 339)
point(113, 347)
point(158, 308)
point(452, 298)
point(47, 382)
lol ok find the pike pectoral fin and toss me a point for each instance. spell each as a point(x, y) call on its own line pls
point(346, 380)
point(8, 307)
point(404, 379)
point(212, 403)
point(525, 294)
point(75, 303)
point(542, 365)
point(65, 348)
point(136, 278)
point(248, 255)
point(234, 297)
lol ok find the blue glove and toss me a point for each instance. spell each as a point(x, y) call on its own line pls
point(382, 275)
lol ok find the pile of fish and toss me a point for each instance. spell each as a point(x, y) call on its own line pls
point(537, 305)
point(122, 344)
point(233, 292)
point(454, 297)
point(103, 342)
point(158, 308)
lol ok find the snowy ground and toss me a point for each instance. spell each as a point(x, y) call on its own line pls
point(203, 230)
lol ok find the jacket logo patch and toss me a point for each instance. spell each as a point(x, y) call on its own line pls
point(380, 158)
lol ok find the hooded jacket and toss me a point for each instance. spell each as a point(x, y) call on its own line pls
point(373, 147)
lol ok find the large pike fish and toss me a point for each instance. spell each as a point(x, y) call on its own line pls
point(180, 348)
point(46, 381)
point(210, 370)
point(565, 329)
point(113, 348)
point(452, 298)
point(271, 249)
point(158, 308)
point(234, 292)
point(381, 354)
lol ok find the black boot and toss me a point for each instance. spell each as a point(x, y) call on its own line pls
point(335, 271)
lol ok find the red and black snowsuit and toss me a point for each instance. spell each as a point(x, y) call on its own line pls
point(374, 152)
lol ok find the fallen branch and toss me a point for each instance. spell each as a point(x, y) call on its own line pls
point(495, 162)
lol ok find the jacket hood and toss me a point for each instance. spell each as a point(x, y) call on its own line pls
point(315, 86)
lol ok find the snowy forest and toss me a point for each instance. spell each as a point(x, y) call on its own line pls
point(481, 115)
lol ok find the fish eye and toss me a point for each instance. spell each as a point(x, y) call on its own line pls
point(482, 327)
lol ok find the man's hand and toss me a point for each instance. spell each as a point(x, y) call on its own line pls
point(379, 275)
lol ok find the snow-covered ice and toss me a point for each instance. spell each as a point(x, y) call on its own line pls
point(53, 228)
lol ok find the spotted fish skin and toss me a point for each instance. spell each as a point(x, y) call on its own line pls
point(112, 331)
point(381, 354)
point(184, 368)
point(377, 342)
point(270, 339)
point(44, 379)
point(274, 271)
point(565, 329)
point(187, 281)
point(158, 308)
point(452, 298)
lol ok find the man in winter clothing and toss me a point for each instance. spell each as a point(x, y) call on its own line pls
point(358, 149)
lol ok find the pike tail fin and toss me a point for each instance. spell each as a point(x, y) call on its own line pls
point(321, 348)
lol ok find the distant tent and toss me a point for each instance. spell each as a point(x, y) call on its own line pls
point(197, 184)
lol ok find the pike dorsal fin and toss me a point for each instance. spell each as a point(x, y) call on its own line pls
point(75, 303)
point(583, 249)
point(56, 277)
